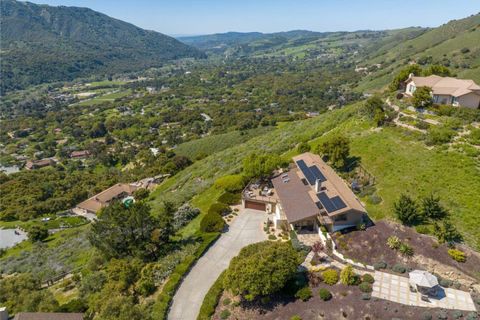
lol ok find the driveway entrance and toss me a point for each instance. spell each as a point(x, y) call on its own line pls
point(245, 229)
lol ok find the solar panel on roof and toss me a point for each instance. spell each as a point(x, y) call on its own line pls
point(338, 202)
point(306, 172)
point(331, 204)
point(325, 201)
point(317, 173)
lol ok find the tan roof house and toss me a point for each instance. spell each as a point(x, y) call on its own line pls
point(309, 195)
point(104, 198)
point(447, 90)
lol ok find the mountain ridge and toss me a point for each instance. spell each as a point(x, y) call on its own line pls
point(80, 41)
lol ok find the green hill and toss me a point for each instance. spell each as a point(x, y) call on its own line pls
point(398, 158)
point(455, 44)
point(40, 43)
point(299, 43)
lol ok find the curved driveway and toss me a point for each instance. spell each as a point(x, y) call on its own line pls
point(246, 229)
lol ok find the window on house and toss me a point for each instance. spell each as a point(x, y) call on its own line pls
point(412, 88)
point(341, 217)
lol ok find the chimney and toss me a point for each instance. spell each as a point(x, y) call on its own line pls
point(318, 185)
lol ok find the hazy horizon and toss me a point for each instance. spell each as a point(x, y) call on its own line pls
point(202, 17)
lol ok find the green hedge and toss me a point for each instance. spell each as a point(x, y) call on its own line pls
point(162, 304)
point(210, 301)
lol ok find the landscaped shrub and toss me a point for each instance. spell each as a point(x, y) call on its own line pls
point(231, 183)
point(295, 317)
point(472, 316)
point(229, 198)
point(399, 268)
point(348, 276)
point(212, 222)
point(457, 314)
point(330, 276)
point(445, 282)
point(225, 314)
point(442, 315)
point(380, 265)
point(368, 278)
point(272, 237)
point(374, 199)
point(457, 255)
point(220, 208)
point(365, 287)
point(366, 296)
point(184, 215)
point(393, 242)
point(226, 301)
point(324, 294)
point(426, 316)
point(304, 294)
point(423, 229)
point(406, 250)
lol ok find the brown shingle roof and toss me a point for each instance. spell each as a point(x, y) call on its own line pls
point(48, 316)
point(294, 197)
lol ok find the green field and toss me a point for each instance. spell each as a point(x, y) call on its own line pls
point(105, 98)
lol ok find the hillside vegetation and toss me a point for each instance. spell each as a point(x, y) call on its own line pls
point(399, 160)
point(455, 44)
point(41, 43)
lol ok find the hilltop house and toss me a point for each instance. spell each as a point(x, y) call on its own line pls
point(446, 90)
point(309, 195)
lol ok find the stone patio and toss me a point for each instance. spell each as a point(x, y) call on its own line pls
point(396, 288)
point(308, 238)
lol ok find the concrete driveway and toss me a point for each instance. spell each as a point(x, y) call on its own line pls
point(246, 229)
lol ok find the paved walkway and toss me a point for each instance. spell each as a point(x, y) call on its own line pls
point(246, 229)
point(397, 289)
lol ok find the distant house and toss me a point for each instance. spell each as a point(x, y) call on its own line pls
point(308, 196)
point(37, 164)
point(48, 316)
point(312, 114)
point(104, 198)
point(80, 154)
point(446, 90)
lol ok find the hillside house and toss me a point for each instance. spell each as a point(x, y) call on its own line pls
point(446, 90)
point(92, 205)
point(80, 154)
point(37, 164)
point(307, 196)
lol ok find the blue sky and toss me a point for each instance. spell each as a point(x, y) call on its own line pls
point(188, 17)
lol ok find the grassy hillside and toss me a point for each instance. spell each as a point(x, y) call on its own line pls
point(455, 45)
point(399, 160)
point(40, 43)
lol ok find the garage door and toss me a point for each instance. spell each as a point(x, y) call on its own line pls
point(255, 205)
